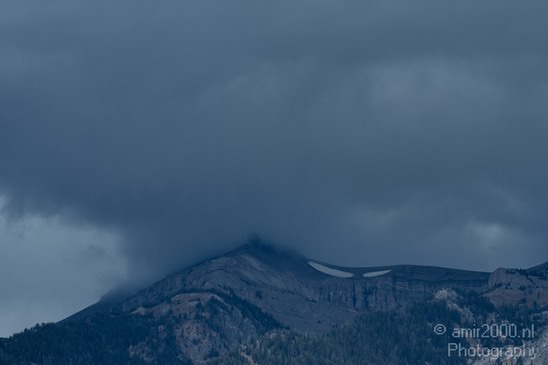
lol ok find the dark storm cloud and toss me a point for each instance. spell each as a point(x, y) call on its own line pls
point(357, 132)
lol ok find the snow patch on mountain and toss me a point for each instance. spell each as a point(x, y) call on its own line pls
point(373, 274)
point(329, 271)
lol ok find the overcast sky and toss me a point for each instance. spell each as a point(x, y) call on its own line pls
point(137, 137)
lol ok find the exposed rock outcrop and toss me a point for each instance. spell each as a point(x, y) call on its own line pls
point(515, 287)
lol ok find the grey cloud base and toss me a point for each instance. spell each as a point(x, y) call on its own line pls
point(359, 133)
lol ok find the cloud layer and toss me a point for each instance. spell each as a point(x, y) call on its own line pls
point(364, 133)
point(51, 270)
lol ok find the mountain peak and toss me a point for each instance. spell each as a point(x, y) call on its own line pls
point(259, 287)
point(266, 250)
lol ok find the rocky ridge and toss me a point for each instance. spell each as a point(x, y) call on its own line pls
point(205, 311)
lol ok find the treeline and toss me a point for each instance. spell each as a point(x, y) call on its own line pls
point(101, 339)
point(124, 339)
point(403, 337)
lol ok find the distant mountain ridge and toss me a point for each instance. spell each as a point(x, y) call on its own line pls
point(295, 292)
point(205, 311)
point(248, 260)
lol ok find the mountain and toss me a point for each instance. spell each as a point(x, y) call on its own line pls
point(259, 298)
point(539, 270)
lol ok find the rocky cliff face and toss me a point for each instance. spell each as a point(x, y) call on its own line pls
point(205, 324)
point(301, 297)
point(515, 287)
